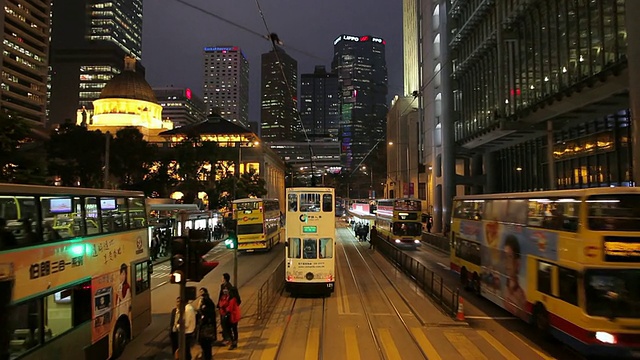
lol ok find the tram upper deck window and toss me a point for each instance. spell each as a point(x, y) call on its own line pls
point(310, 202)
point(292, 202)
point(327, 203)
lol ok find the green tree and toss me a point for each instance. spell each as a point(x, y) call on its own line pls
point(131, 158)
point(21, 156)
point(250, 184)
point(76, 155)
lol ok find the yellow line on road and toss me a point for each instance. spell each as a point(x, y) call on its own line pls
point(497, 345)
point(540, 353)
point(389, 346)
point(464, 346)
point(351, 342)
point(271, 347)
point(425, 344)
point(313, 344)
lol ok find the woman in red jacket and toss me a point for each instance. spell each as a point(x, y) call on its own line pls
point(230, 315)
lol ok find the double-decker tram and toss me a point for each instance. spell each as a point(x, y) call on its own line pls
point(310, 240)
point(259, 222)
point(80, 261)
point(399, 221)
point(566, 261)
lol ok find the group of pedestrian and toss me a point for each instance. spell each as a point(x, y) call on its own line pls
point(361, 229)
point(200, 320)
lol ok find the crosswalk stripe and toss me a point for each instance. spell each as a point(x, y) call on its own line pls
point(351, 341)
point(464, 346)
point(313, 344)
point(389, 346)
point(497, 345)
point(425, 344)
point(540, 353)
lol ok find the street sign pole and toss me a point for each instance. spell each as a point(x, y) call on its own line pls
point(182, 342)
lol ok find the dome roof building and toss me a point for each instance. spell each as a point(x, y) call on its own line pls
point(127, 100)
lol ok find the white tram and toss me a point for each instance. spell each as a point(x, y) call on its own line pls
point(310, 245)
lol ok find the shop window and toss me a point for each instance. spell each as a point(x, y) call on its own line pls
point(544, 277)
point(568, 282)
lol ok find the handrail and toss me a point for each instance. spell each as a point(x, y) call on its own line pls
point(273, 285)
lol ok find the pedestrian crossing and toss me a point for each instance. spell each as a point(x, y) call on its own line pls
point(437, 343)
point(161, 270)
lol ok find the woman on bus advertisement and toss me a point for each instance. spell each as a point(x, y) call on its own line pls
point(514, 297)
point(111, 295)
point(123, 293)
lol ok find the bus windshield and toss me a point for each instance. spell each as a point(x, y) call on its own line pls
point(613, 293)
point(614, 212)
point(407, 229)
point(411, 205)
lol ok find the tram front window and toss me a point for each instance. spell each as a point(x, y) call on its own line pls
point(310, 250)
point(407, 229)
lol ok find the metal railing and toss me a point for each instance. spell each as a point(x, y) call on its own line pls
point(268, 291)
point(437, 241)
point(431, 283)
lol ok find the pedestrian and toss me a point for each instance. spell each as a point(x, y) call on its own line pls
point(373, 236)
point(207, 333)
point(230, 315)
point(189, 327)
point(429, 223)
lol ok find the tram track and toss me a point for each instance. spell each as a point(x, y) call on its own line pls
point(300, 307)
point(382, 354)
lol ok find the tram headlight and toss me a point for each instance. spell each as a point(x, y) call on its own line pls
point(397, 241)
point(606, 337)
point(416, 241)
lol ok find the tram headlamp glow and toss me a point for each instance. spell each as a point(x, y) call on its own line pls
point(605, 337)
point(416, 241)
point(397, 241)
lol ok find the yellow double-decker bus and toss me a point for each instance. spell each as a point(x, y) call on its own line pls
point(566, 261)
point(80, 263)
point(259, 223)
point(399, 221)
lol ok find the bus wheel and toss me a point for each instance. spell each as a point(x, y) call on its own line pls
point(541, 319)
point(475, 283)
point(120, 338)
point(464, 277)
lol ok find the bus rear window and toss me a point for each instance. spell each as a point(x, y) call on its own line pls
point(250, 229)
point(614, 212)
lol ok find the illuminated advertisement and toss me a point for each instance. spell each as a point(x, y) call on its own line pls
point(111, 298)
point(355, 38)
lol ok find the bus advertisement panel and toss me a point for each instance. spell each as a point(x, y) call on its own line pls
point(565, 261)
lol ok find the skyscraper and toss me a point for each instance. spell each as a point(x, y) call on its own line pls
point(226, 83)
point(180, 105)
point(319, 104)
point(360, 64)
point(279, 102)
point(25, 46)
point(89, 40)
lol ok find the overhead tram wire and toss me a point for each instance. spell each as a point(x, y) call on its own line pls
point(242, 27)
point(275, 42)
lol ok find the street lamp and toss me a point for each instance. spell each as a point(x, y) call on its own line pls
point(408, 176)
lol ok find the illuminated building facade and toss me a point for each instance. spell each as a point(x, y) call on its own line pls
point(180, 105)
point(361, 66)
point(89, 38)
point(279, 98)
point(126, 101)
point(25, 46)
point(226, 83)
point(531, 95)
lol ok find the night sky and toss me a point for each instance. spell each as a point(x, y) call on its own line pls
point(175, 34)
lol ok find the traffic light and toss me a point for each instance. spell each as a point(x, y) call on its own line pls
point(198, 267)
point(232, 240)
point(179, 259)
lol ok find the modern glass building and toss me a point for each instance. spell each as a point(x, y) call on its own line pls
point(319, 105)
point(180, 105)
point(279, 98)
point(89, 40)
point(226, 83)
point(530, 95)
point(25, 53)
point(360, 64)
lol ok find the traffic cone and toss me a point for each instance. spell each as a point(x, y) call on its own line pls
point(460, 314)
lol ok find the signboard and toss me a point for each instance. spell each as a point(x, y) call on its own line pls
point(407, 189)
point(621, 251)
point(309, 229)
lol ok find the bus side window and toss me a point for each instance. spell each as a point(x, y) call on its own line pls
point(568, 282)
point(91, 218)
point(294, 248)
point(544, 277)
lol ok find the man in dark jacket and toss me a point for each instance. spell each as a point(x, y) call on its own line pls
point(373, 236)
